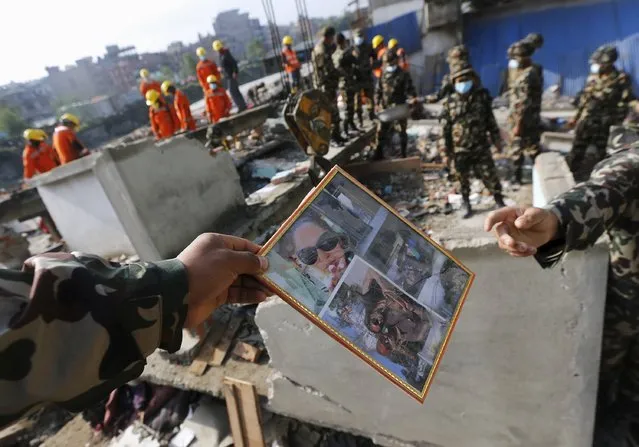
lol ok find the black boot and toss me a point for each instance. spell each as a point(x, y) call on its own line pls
point(468, 210)
point(360, 118)
point(347, 124)
point(337, 138)
point(379, 153)
point(352, 125)
point(499, 200)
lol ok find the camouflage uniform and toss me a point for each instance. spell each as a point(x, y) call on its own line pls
point(326, 78)
point(609, 202)
point(346, 64)
point(456, 56)
point(468, 123)
point(525, 110)
point(602, 103)
point(74, 327)
point(365, 83)
point(394, 89)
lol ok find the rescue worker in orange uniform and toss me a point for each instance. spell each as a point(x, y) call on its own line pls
point(38, 157)
point(291, 63)
point(164, 120)
point(65, 141)
point(218, 103)
point(205, 68)
point(401, 54)
point(147, 83)
point(181, 105)
point(379, 47)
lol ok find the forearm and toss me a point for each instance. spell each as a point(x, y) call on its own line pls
point(75, 327)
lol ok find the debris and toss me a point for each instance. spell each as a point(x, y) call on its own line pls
point(244, 413)
point(184, 438)
point(219, 354)
point(365, 169)
point(247, 352)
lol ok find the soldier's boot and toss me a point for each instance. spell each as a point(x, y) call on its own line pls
point(337, 137)
point(499, 200)
point(347, 124)
point(468, 210)
point(517, 176)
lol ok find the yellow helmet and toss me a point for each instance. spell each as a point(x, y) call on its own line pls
point(200, 51)
point(392, 43)
point(377, 41)
point(165, 87)
point(34, 134)
point(211, 79)
point(218, 45)
point(152, 97)
point(71, 118)
point(144, 73)
point(288, 40)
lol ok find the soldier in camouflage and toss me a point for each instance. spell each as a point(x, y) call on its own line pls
point(469, 129)
point(326, 76)
point(608, 201)
point(524, 116)
point(603, 103)
point(346, 64)
point(74, 327)
point(395, 88)
point(456, 56)
point(365, 88)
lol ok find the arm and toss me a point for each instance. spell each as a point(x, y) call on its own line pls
point(112, 316)
point(154, 126)
point(27, 163)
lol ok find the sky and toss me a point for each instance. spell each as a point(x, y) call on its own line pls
point(40, 33)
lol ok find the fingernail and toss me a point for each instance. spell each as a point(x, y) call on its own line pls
point(263, 263)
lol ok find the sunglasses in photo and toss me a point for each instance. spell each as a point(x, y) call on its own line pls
point(326, 242)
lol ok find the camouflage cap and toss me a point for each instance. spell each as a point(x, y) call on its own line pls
point(535, 39)
point(461, 69)
point(605, 54)
point(521, 49)
point(457, 53)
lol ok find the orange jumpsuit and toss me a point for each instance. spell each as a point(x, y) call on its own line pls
point(38, 160)
point(218, 104)
point(380, 57)
point(204, 69)
point(164, 121)
point(66, 144)
point(291, 62)
point(145, 86)
point(183, 110)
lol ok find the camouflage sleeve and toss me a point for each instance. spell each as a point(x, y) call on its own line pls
point(592, 207)
point(584, 98)
point(447, 128)
point(73, 327)
point(627, 96)
point(523, 102)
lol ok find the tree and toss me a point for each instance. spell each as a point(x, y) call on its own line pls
point(11, 122)
point(255, 50)
point(189, 62)
point(167, 73)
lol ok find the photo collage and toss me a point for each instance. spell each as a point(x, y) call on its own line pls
point(355, 266)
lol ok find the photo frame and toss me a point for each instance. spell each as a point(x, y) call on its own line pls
point(370, 279)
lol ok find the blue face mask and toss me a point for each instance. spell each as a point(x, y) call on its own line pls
point(358, 41)
point(513, 64)
point(201, 57)
point(391, 68)
point(213, 86)
point(463, 87)
point(594, 68)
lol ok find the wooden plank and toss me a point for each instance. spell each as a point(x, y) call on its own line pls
point(365, 169)
point(247, 352)
point(244, 413)
point(198, 366)
point(219, 353)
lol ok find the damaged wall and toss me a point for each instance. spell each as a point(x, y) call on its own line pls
point(521, 367)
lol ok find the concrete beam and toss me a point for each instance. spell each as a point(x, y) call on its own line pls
point(235, 124)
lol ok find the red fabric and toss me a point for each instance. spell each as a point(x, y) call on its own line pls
point(38, 160)
point(218, 104)
point(145, 86)
point(380, 54)
point(182, 108)
point(66, 144)
point(291, 63)
point(204, 69)
point(164, 120)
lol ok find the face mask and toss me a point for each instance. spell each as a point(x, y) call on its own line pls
point(463, 87)
point(391, 68)
point(513, 64)
point(359, 41)
point(202, 57)
point(594, 68)
point(213, 86)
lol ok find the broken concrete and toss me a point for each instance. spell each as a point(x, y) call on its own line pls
point(521, 367)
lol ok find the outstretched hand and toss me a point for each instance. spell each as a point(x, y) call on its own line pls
point(520, 231)
point(220, 270)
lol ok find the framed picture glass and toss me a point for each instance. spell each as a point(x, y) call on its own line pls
point(370, 279)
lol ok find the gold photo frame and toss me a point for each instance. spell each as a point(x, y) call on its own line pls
point(370, 279)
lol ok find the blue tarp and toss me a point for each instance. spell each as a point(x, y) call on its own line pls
point(403, 28)
point(571, 34)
